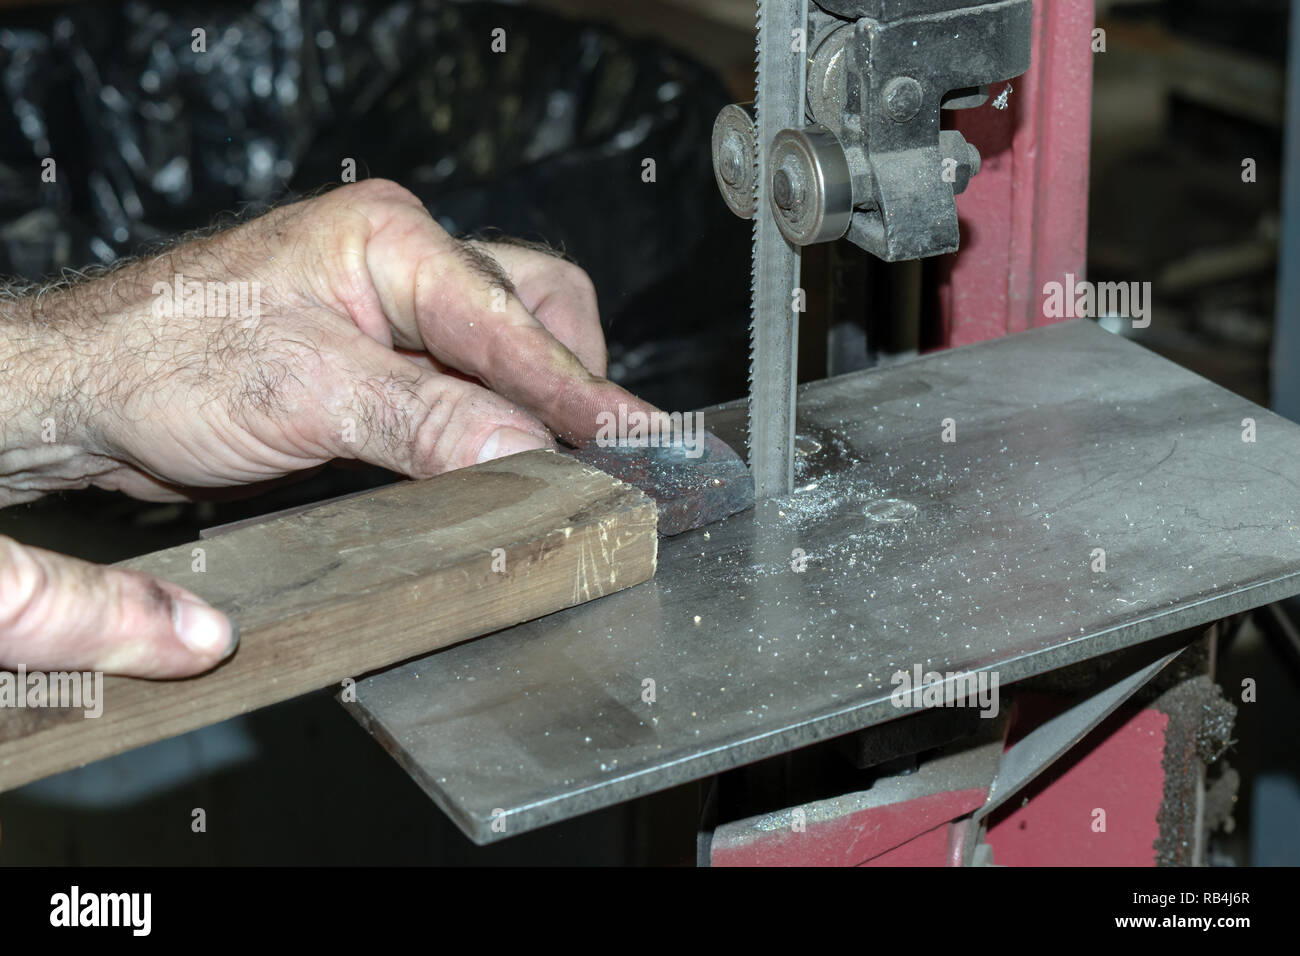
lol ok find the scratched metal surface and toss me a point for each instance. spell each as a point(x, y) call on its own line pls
point(975, 554)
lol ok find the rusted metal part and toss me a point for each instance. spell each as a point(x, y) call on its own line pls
point(694, 483)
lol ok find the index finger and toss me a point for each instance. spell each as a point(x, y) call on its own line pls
point(463, 308)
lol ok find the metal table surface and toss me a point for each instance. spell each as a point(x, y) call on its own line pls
point(967, 555)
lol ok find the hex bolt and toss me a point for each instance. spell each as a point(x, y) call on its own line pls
point(783, 189)
point(903, 98)
point(787, 187)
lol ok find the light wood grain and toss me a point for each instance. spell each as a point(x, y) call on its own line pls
point(361, 584)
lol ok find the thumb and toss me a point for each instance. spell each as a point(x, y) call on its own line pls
point(418, 422)
point(60, 613)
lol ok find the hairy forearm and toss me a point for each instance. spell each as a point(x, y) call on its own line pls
point(47, 442)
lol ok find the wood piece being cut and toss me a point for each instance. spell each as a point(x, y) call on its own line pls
point(360, 584)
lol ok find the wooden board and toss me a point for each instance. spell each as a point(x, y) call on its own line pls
point(358, 585)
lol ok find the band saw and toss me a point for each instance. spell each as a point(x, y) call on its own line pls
point(1054, 509)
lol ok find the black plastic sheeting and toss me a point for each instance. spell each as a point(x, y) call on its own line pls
point(546, 140)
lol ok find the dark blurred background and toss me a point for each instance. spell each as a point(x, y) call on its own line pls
point(550, 148)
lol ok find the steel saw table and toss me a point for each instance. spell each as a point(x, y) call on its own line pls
point(949, 513)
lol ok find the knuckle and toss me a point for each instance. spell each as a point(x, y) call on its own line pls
point(344, 220)
point(435, 444)
point(580, 294)
point(583, 289)
point(378, 191)
point(134, 600)
point(452, 425)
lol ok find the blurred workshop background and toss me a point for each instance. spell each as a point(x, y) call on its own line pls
point(150, 145)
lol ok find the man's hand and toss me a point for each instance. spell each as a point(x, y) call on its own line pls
point(58, 613)
point(350, 325)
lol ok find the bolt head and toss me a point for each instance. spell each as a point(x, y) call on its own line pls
point(903, 98)
point(788, 187)
point(783, 189)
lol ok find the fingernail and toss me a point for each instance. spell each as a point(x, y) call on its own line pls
point(508, 441)
point(202, 628)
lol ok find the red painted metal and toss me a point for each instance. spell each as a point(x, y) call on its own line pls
point(1025, 216)
point(928, 849)
point(853, 838)
point(1118, 769)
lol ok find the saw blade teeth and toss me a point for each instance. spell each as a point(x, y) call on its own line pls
point(753, 248)
point(780, 89)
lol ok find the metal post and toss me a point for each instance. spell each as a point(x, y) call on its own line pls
point(1286, 336)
